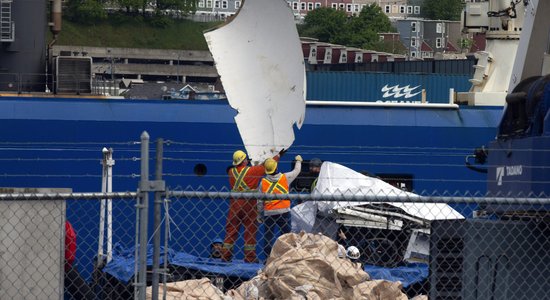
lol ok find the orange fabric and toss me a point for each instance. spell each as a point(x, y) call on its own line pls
point(243, 213)
point(281, 187)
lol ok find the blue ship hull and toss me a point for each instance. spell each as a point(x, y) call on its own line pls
point(428, 143)
point(57, 142)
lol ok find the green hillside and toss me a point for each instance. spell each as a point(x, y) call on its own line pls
point(136, 33)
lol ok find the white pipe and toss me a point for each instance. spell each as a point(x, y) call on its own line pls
point(110, 163)
point(381, 104)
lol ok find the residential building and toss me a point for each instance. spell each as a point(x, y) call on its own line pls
point(221, 8)
point(397, 8)
point(440, 36)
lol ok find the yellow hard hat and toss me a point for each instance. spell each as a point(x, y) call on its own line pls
point(238, 157)
point(270, 166)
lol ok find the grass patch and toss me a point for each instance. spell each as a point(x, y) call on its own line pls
point(136, 32)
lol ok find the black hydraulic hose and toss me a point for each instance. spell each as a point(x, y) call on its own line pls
point(474, 168)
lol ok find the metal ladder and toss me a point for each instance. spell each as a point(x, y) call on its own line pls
point(7, 27)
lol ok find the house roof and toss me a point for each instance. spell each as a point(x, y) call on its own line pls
point(479, 42)
point(425, 47)
point(451, 48)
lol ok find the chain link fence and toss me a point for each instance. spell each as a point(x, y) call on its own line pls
point(349, 237)
point(52, 246)
point(350, 246)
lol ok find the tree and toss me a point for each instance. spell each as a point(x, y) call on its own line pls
point(442, 9)
point(334, 26)
point(323, 23)
point(373, 18)
point(182, 5)
point(367, 25)
point(86, 11)
point(465, 43)
point(131, 5)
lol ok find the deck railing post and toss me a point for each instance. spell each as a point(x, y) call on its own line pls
point(143, 206)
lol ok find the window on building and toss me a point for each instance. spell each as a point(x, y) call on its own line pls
point(208, 3)
point(295, 5)
point(201, 3)
point(387, 9)
point(414, 26)
point(381, 37)
point(440, 27)
point(238, 4)
point(289, 3)
point(439, 43)
point(356, 7)
point(413, 53)
point(413, 42)
point(417, 10)
point(303, 5)
point(343, 58)
point(224, 4)
point(402, 9)
point(334, 5)
point(341, 6)
point(310, 6)
point(328, 56)
point(348, 7)
point(216, 4)
point(317, 4)
point(409, 10)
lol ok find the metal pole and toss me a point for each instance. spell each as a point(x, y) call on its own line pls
point(102, 210)
point(166, 237)
point(156, 222)
point(144, 181)
point(110, 164)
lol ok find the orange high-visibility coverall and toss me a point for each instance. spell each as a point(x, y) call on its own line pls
point(242, 211)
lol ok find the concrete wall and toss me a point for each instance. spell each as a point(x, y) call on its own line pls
point(32, 246)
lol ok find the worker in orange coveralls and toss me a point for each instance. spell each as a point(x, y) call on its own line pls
point(243, 178)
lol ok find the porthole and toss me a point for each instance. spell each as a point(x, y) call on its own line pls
point(200, 169)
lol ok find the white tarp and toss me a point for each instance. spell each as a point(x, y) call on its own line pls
point(335, 179)
point(259, 58)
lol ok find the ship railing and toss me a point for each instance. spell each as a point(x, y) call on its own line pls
point(68, 84)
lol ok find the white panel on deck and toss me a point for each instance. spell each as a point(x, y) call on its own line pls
point(259, 58)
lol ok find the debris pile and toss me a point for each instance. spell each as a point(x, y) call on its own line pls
point(301, 266)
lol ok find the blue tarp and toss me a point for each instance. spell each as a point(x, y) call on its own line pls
point(408, 275)
point(122, 264)
point(122, 267)
point(236, 267)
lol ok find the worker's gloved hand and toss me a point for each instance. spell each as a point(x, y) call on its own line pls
point(260, 219)
point(298, 158)
point(282, 152)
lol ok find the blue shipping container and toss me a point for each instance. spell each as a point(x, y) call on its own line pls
point(383, 87)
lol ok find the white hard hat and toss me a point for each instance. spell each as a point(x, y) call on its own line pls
point(353, 252)
point(341, 251)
